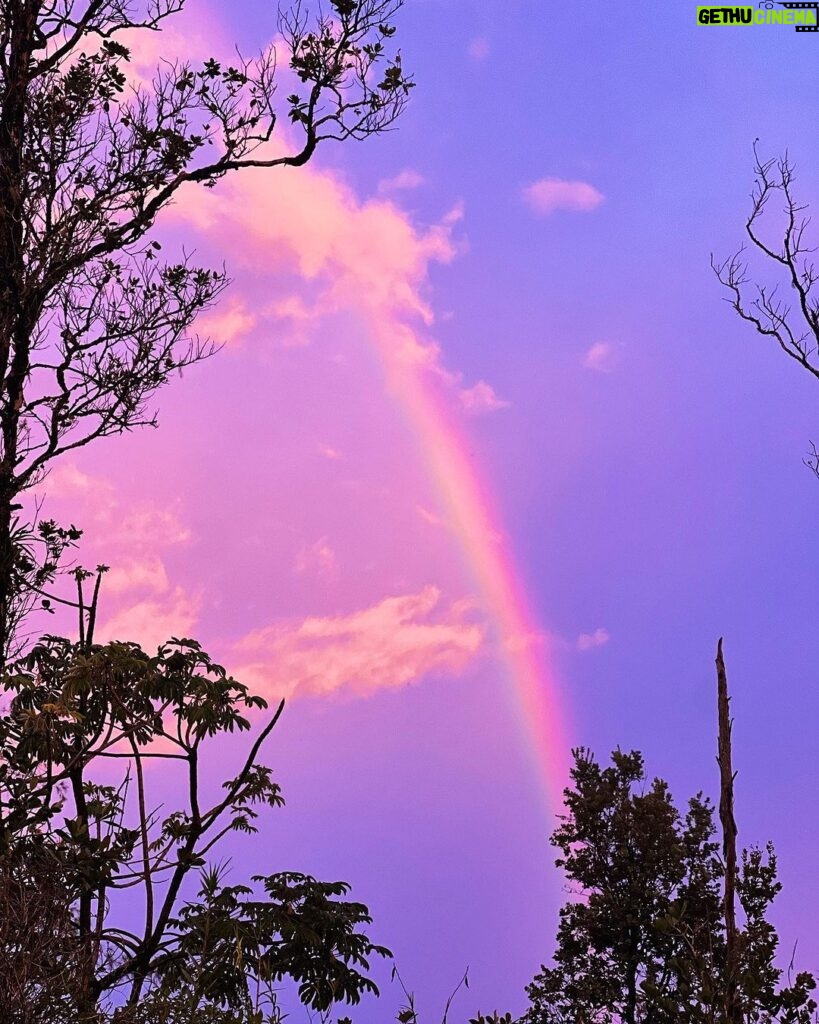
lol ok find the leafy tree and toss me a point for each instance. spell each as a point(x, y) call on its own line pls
point(99, 919)
point(38, 949)
point(643, 939)
point(634, 861)
point(92, 321)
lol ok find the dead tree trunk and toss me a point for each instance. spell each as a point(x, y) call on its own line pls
point(733, 1007)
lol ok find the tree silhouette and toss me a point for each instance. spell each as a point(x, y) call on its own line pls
point(92, 320)
point(776, 293)
point(652, 935)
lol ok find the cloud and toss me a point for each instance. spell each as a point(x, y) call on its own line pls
point(318, 558)
point(429, 517)
point(296, 318)
point(360, 257)
point(153, 620)
point(326, 451)
point(403, 181)
point(67, 482)
point(319, 257)
point(147, 574)
point(132, 536)
point(481, 398)
point(588, 641)
point(195, 37)
point(550, 194)
point(391, 644)
point(478, 49)
point(602, 357)
point(514, 643)
point(229, 322)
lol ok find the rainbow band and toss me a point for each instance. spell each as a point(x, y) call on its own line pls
point(491, 564)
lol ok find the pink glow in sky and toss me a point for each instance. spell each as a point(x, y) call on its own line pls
point(484, 468)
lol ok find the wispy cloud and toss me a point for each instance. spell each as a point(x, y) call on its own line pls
point(327, 451)
point(133, 537)
point(404, 181)
point(478, 49)
point(481, 398)
point(228, 323)
point(318, 558)
point(602, 357)
point(429, 517)
point(547, 195)
point(391, 644)
point(153, 620)
point(356, 256)
point(295, 320)
point(588, 641)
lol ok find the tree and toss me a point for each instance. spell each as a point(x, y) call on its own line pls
point(777, 231)
point(636, 865)
point(731, 1001)
point(73, 844)
point(651, 936)
point(38, 948)
point(92, 324)
point(92, 321)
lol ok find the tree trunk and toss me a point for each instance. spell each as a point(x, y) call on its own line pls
point(733, 1008)
point(15, 337)
point(630, 1009)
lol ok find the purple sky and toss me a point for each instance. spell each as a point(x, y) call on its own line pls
point(538, 231)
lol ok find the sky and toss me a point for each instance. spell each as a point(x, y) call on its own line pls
point(486, 466)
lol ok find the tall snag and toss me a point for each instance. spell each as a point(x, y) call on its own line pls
point(733, 1007)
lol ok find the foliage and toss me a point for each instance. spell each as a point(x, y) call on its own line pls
point(93, 322)
point(39, 952)
point(84, 732)
point(643, 939)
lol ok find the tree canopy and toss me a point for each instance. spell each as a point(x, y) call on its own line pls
point(643, 940)
point(101, 914)
point(93, 321)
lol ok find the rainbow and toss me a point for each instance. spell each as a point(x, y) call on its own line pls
point(387, 310)
point(469, 509)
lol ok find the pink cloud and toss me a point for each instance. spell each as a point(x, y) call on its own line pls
point(588, 641)
point(429, 517)
point(228, 322)
point(550, 194)
point(131, 536)
point(602, 357)
point(193, 37)
point(66, 482)
point(153, 620)
point(327, 451)
point(391, 644)
point(332, 305)
point(478, 49)
point(403, 181)
point(357, 256)
point(318, 558)
point(481, 398)
point(147, 574)
point(294, 320)
point(527, 641)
